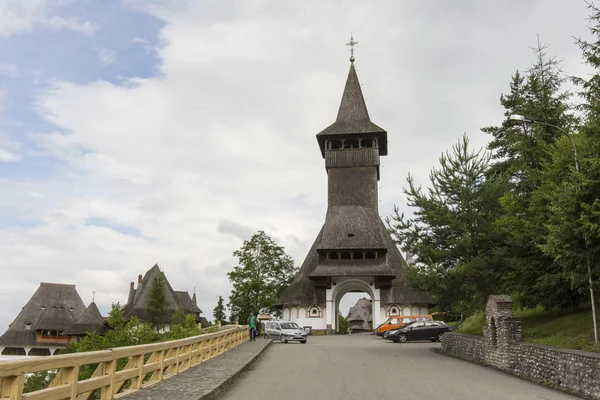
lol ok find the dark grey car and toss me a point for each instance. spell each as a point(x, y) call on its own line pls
point(420, 330)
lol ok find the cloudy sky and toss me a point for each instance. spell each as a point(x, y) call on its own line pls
point(137, 132)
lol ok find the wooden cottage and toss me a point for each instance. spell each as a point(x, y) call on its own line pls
point(39, 328)
point(137, 302)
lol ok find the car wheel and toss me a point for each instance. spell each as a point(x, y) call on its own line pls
point(433, 340)
point(402, 338)
point(303, 341)
point(282, 339)
point(440, 337)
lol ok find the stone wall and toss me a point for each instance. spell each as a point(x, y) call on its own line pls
point(468, 347)
point(573, 371)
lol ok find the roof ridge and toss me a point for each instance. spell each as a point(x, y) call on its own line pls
point(57, 284)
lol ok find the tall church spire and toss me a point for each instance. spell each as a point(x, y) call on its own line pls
point(353, 117)
point(353, 107)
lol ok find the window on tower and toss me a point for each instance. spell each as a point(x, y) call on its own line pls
point(371, 255)
point(358, 255)
point(346, 256)
point(352, 144)
point(335, 144)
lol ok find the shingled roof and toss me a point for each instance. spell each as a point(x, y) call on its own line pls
point(361, 312)
point(301, 291)
point(53, 306)
point(138, 298)
point(89, 321)
point(186, 302)
point(361, 231)
point(353, 117)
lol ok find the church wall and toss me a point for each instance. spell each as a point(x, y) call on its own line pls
point(302, 317)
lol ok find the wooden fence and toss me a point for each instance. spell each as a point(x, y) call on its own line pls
point(144, 365)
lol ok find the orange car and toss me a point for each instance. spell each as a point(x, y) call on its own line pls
point(397, 321)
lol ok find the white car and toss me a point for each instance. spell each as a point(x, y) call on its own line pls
point(284, 331)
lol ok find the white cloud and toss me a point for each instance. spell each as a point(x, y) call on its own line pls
point(8, 149)
point(21, 16)
point(6, 156)
point(221, 143)
point(146, 45)
point(71, 24)
point(107, 56)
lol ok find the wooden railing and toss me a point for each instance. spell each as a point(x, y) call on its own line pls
point(144, 365)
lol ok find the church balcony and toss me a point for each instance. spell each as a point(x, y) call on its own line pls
point(343, 255)
point(344, 158)
point(374, 268)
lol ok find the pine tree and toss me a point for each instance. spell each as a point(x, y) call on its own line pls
point(157, 308)
point(219, 311)
point(263, 273)
point(452, 232)
point(519, 156)
point(573, 220)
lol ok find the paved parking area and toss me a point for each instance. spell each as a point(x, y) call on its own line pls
point(367, 367)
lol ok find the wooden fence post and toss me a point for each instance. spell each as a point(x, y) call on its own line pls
point(12, 387)
point(109, 368)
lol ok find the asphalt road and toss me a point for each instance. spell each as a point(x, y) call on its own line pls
point(367, 367)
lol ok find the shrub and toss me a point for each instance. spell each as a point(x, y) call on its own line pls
point(473, 325)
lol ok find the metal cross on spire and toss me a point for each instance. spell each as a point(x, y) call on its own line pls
point(93, 296)
point(351, 43)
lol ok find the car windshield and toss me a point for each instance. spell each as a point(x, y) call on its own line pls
point(289, 325)
point(407, 325)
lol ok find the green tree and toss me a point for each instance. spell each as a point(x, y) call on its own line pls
point(263, 272)
point(121, 333)
point(343, 324)
point(573, 218)
point(178, 317)
point(452, 233)
point(519, 156)
point(157, 307)
point(188, 328)
point(219, 311)
point(38, 381)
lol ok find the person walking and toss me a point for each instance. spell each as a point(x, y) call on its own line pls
point(252, 325)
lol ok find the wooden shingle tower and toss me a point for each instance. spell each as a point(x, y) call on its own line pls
point(354, 252)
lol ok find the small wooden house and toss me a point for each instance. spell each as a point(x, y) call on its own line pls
point(39, 328)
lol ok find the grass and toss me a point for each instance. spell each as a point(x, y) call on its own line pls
point(473, 325)
point(558, 328)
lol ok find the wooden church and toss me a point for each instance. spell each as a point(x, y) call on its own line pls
point(353, 252)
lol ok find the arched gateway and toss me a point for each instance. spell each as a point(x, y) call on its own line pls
point(354, 251)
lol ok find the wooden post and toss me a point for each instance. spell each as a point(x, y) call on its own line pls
point(189, 360)
point(161, 359)
point(107, 392)
point(138, 381)
point(177, 351)
point(12, 387)
point(71, 376)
